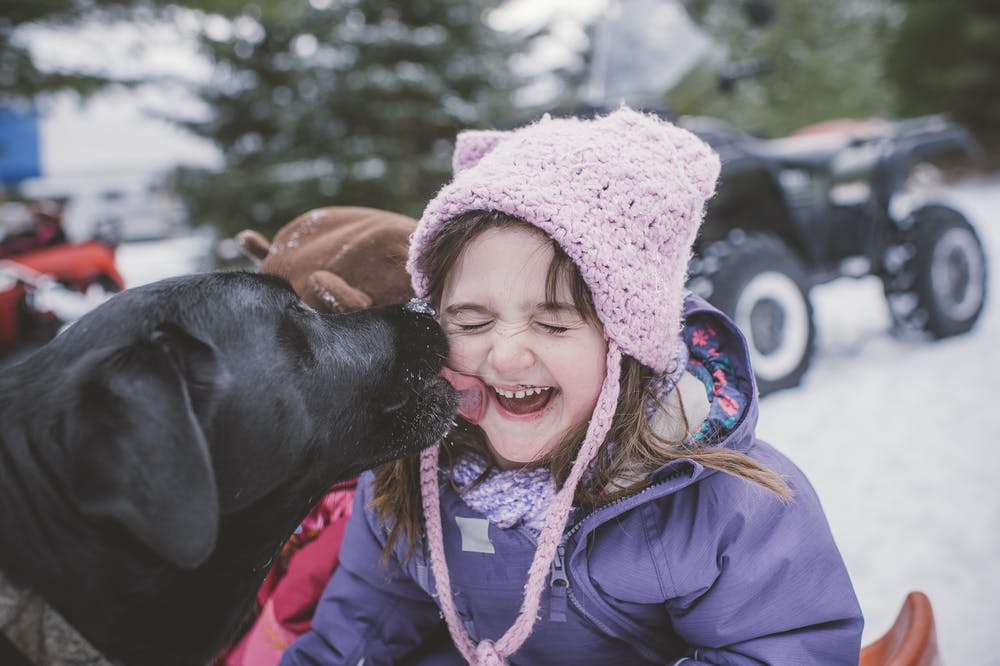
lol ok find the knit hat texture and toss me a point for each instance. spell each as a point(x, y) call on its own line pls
point(623, 195)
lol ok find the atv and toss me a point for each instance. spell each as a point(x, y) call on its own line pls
point(835, 199)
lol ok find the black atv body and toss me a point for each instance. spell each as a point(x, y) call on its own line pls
point(841, 199)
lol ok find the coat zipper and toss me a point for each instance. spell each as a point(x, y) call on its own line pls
point(558, 586)
point(560, 590)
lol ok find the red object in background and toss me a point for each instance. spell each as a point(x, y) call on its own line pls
point(912, 639)
point(75, 265)
point(47, 232)
point(288, 596)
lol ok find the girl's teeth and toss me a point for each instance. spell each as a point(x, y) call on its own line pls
point(520, 394)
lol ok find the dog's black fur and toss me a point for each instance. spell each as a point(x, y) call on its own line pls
point(155, 456)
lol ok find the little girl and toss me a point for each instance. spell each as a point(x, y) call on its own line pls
point(602, 498)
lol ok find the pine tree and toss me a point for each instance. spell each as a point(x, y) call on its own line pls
point(22, 82)
point(825, 60)
point(346, 103)
point(946, 58)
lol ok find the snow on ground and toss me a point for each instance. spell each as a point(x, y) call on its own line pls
point(899, 438)
point(148, 261)
point(902, 444)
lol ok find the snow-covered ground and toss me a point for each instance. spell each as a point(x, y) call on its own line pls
point(901, 441)
point(899, 438)
point(148, 261)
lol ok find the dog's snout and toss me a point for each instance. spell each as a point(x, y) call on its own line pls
point(422, 340)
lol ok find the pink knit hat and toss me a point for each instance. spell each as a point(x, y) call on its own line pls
point(623, 195)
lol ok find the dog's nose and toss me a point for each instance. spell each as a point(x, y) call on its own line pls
point(420, 306)
point(423, 346)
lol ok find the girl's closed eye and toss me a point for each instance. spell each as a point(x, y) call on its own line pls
point(554, 329)
point(468, 327)
point(558, 320)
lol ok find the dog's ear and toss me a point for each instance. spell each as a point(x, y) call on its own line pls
point(139, 454)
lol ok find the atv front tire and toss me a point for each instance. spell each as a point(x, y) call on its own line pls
point(757, 280)
point(938, 274)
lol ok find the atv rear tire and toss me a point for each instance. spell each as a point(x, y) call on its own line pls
point(756, 279)
point(939, 282)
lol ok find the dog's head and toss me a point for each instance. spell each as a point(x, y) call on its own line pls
point(198, 397)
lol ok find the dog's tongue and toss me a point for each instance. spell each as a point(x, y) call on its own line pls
point(472, 395)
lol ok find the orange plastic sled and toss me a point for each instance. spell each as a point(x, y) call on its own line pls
point(911, 641)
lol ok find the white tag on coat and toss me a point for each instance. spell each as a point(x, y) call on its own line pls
point(475, 535)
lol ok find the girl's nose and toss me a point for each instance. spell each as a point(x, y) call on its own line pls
point(508, 354)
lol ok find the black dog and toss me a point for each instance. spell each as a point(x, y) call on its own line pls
point(155, 456)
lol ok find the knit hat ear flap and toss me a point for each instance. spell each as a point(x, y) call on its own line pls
point(471, 145)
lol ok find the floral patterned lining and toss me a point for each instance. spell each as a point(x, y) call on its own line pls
point(712, 366)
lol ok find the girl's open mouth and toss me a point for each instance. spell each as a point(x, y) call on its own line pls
point(523, 402)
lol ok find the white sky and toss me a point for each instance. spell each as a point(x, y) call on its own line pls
point(533, 14)
point(112, 134)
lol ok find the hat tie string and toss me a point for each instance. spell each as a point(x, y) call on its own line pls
point(488, 653)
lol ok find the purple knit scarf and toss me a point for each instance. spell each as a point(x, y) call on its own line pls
point(506, 497)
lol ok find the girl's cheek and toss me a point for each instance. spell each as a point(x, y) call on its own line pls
point(461, 355)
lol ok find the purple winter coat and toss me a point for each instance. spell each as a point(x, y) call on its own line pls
point(699, 568)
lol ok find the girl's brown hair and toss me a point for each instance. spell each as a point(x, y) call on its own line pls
point(396, 493)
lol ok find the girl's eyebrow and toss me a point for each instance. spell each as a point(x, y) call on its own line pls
point(557, 307)
point(474, 308)
point(458, 308)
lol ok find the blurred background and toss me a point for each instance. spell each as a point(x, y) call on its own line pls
point(860, 190)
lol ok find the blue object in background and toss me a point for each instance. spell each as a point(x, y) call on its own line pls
point(19, 150)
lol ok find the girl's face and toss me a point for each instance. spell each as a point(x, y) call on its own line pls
point(543, 364)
